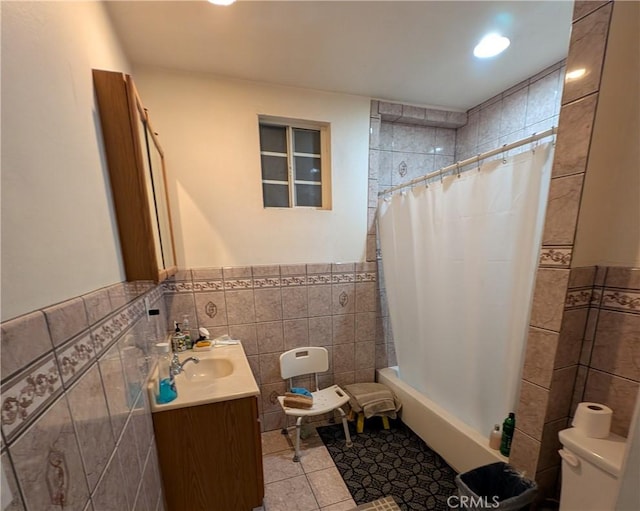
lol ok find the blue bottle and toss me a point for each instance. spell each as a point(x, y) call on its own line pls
point(166, 391)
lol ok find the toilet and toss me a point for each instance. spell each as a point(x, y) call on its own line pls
point(590, 471)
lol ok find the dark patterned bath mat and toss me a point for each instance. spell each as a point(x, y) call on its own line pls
point(394, 462)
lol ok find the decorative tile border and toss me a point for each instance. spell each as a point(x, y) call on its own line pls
point(555, 257)
point(266, 282)
point(628, 301)
point(294, 280)
point(28, 393)
point(238, 284)
point(343, 278)
point(105, 333)
point(177, 286)
point(366, 277)
point(207, 285)
point(596, 297)
point(74, 357)
point(578, 298)
point(321, 278)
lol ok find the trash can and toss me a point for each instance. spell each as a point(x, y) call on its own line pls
point(496, 486)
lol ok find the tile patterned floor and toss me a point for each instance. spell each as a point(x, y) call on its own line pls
point(312, 484)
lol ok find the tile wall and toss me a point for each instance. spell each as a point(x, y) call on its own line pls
point(275, 308)
point(532, 106)
point(560, 310)
point(608, 371)
point(76, 426)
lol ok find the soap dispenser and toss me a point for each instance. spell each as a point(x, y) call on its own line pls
point(178, 340)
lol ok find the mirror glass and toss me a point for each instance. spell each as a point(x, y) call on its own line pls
point(153, 162)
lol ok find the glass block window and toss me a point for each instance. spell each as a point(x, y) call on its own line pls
point(293, 159)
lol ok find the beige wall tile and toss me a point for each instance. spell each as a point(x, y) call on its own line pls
point(578, 389)
point(206, 273)
point(583, 7)
point(268, 303)
point(270, 337)
point(548, 482)
point(617, 344)
point(320, 301)
point(539, 356)
point(548, 298)
point(248, 335)
point(524, 453)
point(562, 210)
point(236, 272)
point(240, 307)
point(365, 355)
point(542, 98)
point(66, 319)
point(574, 136)
point(264, 271)
point(586, 51)
point(211, 308)
point(343, 358)
point(366, 297)
point(269, 393)
point(110, 494)
point(296, 333)
point(344, 329)
point(561, 393)
point(97, 304)
point(321, 331)
point(365, 326)
point(343, 298)
point(582, 277)
point(91, 418)
point(52, 437)
point(532, 407)
point(295, 302)
point(549, 456)
point(625, 278)
point(270, 369)
point(571, 337)
point(617, 393)
point(23, 340)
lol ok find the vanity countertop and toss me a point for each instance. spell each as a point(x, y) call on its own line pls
point(222, 374)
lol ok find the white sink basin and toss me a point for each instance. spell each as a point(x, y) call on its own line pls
point(207, 370)
point(222, 374)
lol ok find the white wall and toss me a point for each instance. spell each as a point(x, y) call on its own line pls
point(609, 224)
point(58, 233)
point(208, 128)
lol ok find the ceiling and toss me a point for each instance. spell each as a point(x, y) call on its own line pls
point(413, 52)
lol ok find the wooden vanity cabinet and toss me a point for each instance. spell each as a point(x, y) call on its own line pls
point(211, 456)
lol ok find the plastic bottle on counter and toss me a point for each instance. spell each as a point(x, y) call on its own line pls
point(166, 391)
point(178, 339)
point(508, 427)
point(495, 438)
point(186, 332)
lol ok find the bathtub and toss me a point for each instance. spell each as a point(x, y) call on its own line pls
point(459, 445)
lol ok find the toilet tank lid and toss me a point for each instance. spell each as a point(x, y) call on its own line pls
point(605, 453)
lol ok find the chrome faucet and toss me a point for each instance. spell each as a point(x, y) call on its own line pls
point(177, 367)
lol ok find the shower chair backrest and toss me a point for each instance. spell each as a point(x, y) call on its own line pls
point(302, 361)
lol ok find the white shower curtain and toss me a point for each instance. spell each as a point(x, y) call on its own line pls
point(459, 260)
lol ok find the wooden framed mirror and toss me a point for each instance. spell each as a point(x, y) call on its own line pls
point(138, 180)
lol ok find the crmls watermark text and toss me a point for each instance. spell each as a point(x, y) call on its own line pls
point(466, 502)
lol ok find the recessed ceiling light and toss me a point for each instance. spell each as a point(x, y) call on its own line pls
point(221, 2)
point(575, 74)
point(491, 45)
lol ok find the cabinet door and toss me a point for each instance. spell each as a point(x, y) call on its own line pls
point(210, 456)
point(138, 188)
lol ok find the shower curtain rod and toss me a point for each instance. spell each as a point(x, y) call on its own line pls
point(507, 147)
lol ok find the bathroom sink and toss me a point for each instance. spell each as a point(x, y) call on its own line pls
point(222, 374)
point(207, 370)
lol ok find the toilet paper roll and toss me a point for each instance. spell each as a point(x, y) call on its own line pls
point(593, 420)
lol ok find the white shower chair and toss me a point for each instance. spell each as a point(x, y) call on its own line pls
point(312, 360)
